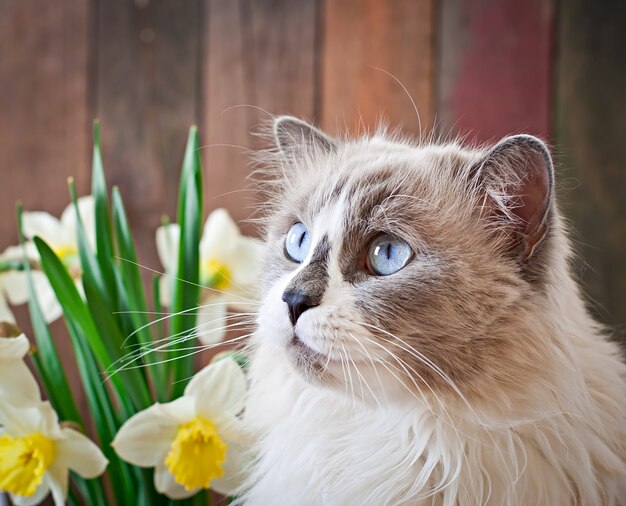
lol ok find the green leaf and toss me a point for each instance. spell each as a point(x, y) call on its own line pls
point(104, 237)
point(111, 335)
point(47, 358)
point(186, 286)
point(134, 293)
point(77, 312)
point(103, 412)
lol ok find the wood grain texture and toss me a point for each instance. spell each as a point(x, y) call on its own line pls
point(44, 116)
point(395, 36)
point(259, 61)
point(590, 128)
point(44, 122)
point(148, 82)
point(495, 67)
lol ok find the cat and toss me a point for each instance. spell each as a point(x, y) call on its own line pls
point(421, 339)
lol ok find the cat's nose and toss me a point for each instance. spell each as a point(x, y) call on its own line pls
point(298, 303)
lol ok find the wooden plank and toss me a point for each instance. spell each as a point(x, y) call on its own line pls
point(590, 126)
point(44, 122)
point(148, 85)
point(258, 54)
point(495, 67)
point(43, 106)
point(394, 36)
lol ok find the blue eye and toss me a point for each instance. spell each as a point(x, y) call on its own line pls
point(388, 254)
point(297, 242)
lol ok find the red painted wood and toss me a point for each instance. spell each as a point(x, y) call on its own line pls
point(496, 73)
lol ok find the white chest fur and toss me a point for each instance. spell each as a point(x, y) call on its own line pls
point(317, 448)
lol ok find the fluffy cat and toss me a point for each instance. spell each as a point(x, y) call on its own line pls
point(421, 339)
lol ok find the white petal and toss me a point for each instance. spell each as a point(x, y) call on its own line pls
point(246, 261)
point(13, 348)
point(19, 421)
point(86, 208)
point(48, 302)
point(16, 287)
point(5, 313)
point(40, 494)
point(144, 438)
point(211, 321)
point(220, 233)
point(165, 483)
point(165, 290)
point(236, 468)
point(17, 384)
point(47, 227)
point(167, 238)
point(218, 388)
point(58, 480)
point(80, 454)
point(22, 421)
point(17, 253)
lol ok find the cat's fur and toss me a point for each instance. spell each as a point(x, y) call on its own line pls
point(474, 375)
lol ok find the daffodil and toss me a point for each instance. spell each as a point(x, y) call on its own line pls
point(17, 384)
point(60, 234)
point(6, 315)
point(230, 267)
point(36, 454)
point(195, 442)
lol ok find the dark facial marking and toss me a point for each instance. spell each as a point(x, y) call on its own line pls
point(312, 280)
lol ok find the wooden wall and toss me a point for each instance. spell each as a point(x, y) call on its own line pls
point(150, 68)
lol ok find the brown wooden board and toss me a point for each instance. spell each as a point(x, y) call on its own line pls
point(395, 36)
point(259, 61)
point(495, 67)
point(44, 122)
point(590, 126)
point(148, 86)
point(44, 116)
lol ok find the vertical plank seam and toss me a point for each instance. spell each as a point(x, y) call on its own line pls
point(318, 55)
point(245, 18)
point(201, 37)
point(436, 58)
point(93, 60)
point(553, 75)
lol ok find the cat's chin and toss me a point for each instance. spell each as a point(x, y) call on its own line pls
point(312, 365)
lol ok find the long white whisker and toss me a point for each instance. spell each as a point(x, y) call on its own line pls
point(171, 276)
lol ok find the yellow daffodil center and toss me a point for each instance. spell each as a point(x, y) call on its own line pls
point(68, 254)
point(23, 463)
point(215, 274)
point(196, 455)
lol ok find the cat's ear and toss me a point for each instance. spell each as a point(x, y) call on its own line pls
point(518, 176)
point(292, 135)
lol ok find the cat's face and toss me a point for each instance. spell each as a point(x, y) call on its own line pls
point(389, 266)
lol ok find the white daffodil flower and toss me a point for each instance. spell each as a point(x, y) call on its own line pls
point(17, 384)
point(230, 268)
point(37, 454)
point(6, 315)
point(195, 442)
point(60, 234)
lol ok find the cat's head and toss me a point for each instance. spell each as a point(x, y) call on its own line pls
point(395, 268)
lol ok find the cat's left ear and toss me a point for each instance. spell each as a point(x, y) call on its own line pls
point(293, 135)
point(519, 178)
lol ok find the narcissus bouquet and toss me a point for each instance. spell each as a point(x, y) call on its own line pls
point(155, 430)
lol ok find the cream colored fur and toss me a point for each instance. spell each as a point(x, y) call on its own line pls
point(544, 423)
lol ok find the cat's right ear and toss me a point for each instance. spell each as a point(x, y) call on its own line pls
point(293, 135)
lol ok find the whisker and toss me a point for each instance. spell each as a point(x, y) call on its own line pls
point(196, 349)
point(171, 276)
point(168, 341)
point(170, 315)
